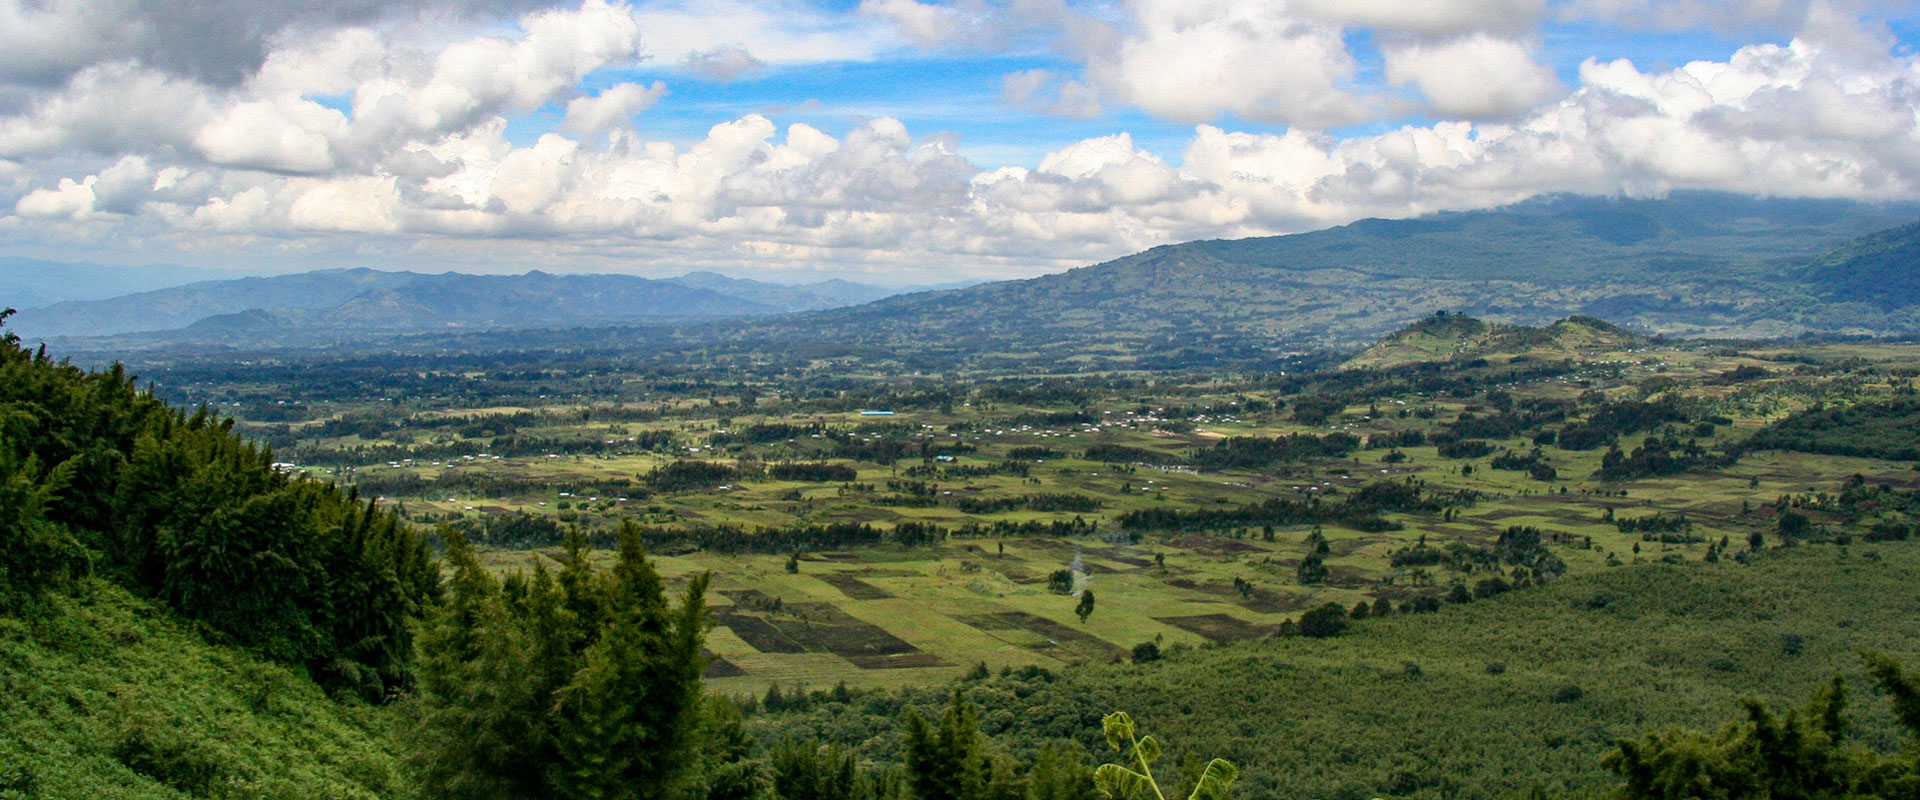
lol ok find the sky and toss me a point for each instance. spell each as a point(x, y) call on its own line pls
point(899, 141)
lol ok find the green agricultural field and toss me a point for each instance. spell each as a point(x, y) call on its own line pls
point(1146, 490)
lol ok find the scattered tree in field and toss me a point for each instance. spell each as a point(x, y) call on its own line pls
point(1327, 620)
point(1085, 608)
point(1312, 570)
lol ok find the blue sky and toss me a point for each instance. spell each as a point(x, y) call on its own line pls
point(903, 140)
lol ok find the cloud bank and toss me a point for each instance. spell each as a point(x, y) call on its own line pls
point(352, 130)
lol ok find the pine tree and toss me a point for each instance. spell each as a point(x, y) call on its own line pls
point(472, 711)
point(624, 723)
point(1060, 773)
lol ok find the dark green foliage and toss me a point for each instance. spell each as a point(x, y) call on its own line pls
point(1360, 510)
point(1316, 410)
point(170, 758)
point(686, 475)
point(725, 763)
point(1254, 452)
point(951, 761)
point(1312, 569)
point(1324, 621)
point(1060, 773)
point(36, 555)
point(812, 472)
point(1657, 456)
point(1802, 755)
point(1084, 609)
point(1050, 501)
point(178, 507)
point(1146, 652)
point(1122, 454)
point(1888, 429)
point(809, 770)
point(580, 686)
point(1792, 524)
point(1464, 448)
point(1034, 453)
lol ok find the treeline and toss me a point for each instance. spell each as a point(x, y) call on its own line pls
point(481, 483)
point(1254, 452)
point(1664, 454)
point(1889, 429)
point(1360, 510)
point(526, 531)
point(1046, 501)
point(96, 476)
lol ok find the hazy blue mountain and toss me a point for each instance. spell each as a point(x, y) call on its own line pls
point(31, 283)
point(797, 297)
point(536, 298)
point(340, 302)
point(179, 306)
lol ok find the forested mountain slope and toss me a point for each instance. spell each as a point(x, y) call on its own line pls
point(1687, 264)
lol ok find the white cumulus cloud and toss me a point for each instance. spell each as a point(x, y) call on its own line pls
point(1475, 76)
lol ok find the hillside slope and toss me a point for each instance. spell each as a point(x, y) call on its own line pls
point(1686, 264)
point(1447, 337)
point(109, 698)
point(1881, 269)
point(1691, 264)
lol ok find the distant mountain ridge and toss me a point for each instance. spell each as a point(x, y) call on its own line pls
point(367, 300)
point(1693, 264)
point(1697, 264)
point(32, 283)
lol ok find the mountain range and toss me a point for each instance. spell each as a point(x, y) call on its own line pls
point(1695, 264)
point(31, 282)
point(367, 300)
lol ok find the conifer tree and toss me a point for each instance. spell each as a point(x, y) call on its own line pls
point(946, 762)
point(624, 722)
point(474, 711)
